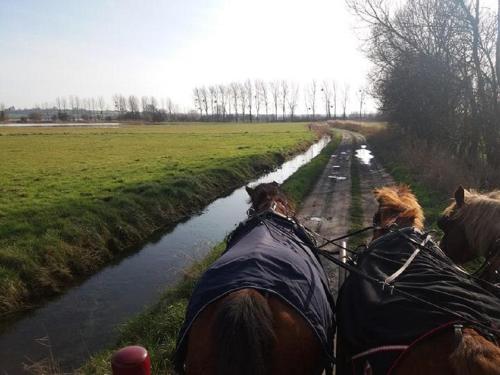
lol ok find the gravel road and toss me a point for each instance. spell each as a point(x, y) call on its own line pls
point(326, 209)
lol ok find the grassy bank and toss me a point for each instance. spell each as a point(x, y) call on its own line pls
point(73, 198)
point(158, 326)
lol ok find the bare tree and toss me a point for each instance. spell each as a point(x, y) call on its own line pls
point(93, 105)
point(361, 98)
point(311, 98)
point(77, 106)
point(101, 104)
point(72, 104)
point(345, 99)
point(212, 93)
point(258, 100)
point(275, 93)
point(198, 100)
point(133, 106)
point(293, 99)
point(283, 95)
point(170, 108)
point(222, 100)
point(235, 95)
point(327, 97)
point(261, 87)
point(144, 104)
point(153, 104)
point(243, 99)
point(204, 99)
point(64, 104)
point(435, 72)
point(334, 91)
point(249, 93)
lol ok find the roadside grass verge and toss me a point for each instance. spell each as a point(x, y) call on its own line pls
point(367, 128)
point(72, 199)
point(157, 328)
point(356, 209)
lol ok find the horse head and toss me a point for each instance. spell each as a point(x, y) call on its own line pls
point(397, 206)
point(268, 196)
point(454, 242)
point(471, 225)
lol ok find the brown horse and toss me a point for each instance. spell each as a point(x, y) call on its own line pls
point(471, 226)
point(368, 333)
point(250, 330)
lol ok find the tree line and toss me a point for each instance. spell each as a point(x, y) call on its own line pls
point(437, 69)
point(250, 100)
point(254, 100)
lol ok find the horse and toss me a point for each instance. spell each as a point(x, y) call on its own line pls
point(264, 306)
point(471, 226)
point(408, 309)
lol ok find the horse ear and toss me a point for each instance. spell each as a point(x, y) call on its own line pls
point(274, 183)
point(250, 191)
point(460, 196)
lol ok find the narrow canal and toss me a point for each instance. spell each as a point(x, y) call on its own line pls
point(84, 320)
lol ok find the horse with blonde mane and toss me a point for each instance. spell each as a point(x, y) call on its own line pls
point(264, 306)
point(408, 309)
point(471, 226)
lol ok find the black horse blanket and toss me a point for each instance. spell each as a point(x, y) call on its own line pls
point(370, 316)
point(271, 254)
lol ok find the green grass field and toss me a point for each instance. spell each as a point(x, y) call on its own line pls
point(72, 198)
point(157, 328)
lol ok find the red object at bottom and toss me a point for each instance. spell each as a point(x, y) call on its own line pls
point(131, 360)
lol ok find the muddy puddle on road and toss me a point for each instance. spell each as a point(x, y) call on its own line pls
point(364, 155)
point(85, 319)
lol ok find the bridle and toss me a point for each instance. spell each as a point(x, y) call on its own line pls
point(272, 207)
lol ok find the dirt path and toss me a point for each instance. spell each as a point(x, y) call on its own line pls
point(326, 209)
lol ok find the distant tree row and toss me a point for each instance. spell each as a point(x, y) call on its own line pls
point(275, 100)
point(76, 109)
point(147, 108)
point(251, 100)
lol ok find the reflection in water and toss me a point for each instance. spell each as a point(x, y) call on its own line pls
point(84, 319)
point(364, 155)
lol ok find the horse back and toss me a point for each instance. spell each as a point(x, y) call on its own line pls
point(246, 332)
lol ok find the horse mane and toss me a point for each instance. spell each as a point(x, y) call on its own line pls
point(400, 198)
point(480, 218)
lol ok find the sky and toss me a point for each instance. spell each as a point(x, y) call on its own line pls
point(94, 48)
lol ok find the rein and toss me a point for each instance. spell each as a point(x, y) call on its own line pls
point(492, 255)
point(384, 284)
point(392, 288)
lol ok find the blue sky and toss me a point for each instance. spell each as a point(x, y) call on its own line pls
point(164, 48)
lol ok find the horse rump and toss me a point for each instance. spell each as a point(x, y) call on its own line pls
point(244, 334)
